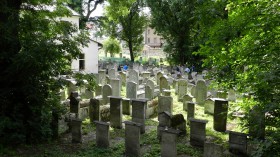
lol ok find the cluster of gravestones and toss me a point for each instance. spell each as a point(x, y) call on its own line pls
point(141, 87)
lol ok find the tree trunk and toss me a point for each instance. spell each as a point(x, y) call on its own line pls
point(131, 51)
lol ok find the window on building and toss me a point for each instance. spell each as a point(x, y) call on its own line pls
point(82, 61)
point(155, 40)
point(148, 40)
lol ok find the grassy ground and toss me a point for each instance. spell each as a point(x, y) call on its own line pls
point(150, 145)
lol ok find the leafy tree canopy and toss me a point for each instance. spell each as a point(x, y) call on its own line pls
point(112, 46)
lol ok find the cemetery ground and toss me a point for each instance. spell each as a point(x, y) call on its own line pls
point(150, 145)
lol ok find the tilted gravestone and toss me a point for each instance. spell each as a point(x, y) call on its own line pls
point(187, 98)
point(220, 115)
point(107, 91)
point(182, 88)
point(76, 130)
point(102, 134)
point(116, 112)
point(165, 103)
point(131, 90)
point(139, 111)
point(197, 132)
point(201, 92)
point(168, 142)
point(132, 138)
point(116, 88)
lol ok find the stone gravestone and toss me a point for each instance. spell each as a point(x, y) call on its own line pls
point(101, 77)
point(168, 142)
point(94, 109)
point(132, 138)
point(220, 115)
point(148, 92)
point(76, 130)
point(152, 85)
point(197, 132)
point(182, 88)
point(75, 103)
point(138, 112)
point(190, 110)
point(107, 91)
point(102, 134)
point(98, 90)
point(201, 92)
point(165, 103)
point(159, 75)
point(116, 112)
point(164, 119)
point(131, 90)
point(112, 73)
point(256, 123)
point(212, 150)
point(116, 88)
point(163, 84)
point(126, 106)
point(186, 98)
point(123, 76)
point(238, 143)
point(133, 76)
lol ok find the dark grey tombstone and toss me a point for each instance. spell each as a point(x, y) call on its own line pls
point(168, 142)
point(102, 134)
point(212, 150)
point(190, 111)
point(116, 112)
point(197, 132)
point(94, 109)
point(76, 130)
point(220, 115)
point(165, 103)
point(74, 103)
point(132, 138)
point(138, 112)
point(238, 143)
point(256, 123)
point(187, 98)
point(164, 119)
point(126, 106)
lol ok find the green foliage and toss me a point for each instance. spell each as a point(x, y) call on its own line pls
point(175, 21)
point(112, 46)
point(127, 17)
point(87, 80)
point(29, 88)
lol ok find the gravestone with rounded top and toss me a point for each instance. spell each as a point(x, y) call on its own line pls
point(106, 92)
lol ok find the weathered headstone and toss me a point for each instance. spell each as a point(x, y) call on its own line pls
point(163, 83)
point(123, 76)
point(102, 134)
point(201, 92)
point(238, 143)
point(186, 98)
point(197, 132)
point(139, 111)
point(220, 115)
point(76, 130)
point(133, 76)
point(159, 75)
point(116, 112)
point(116, 88)
point(98, 90)
point(182, 88)
point(168, 142)
point(190, 110)
point(132, 138)
point(131, 90)
point(212, 150)
point(165, 103)
point(112, 73)
point(164, 119)
point(148, 92)
point(94, 109)
point(75, 103)
point(107, 91)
